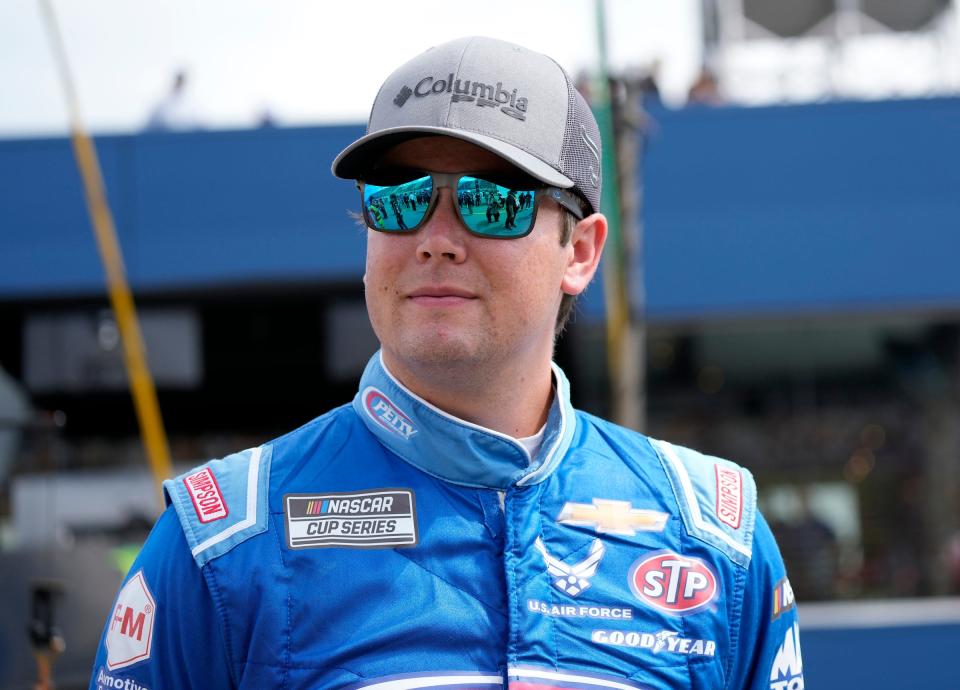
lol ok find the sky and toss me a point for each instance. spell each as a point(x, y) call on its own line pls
point(303, 61)
point(311, 62)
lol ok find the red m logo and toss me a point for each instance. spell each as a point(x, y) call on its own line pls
point(128, 625)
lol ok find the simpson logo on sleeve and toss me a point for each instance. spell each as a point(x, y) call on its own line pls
point(206, 496)
point(729, 496)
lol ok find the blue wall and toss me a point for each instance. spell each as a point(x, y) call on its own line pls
point(804, 208)
point(913, 656)
point(749, 211)
point(190, 210)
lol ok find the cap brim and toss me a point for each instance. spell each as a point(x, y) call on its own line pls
point(359, 156)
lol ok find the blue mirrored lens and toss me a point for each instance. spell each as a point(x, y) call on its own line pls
point(494, 210)
point(397, 207)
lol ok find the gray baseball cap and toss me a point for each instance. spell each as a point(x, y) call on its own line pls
point(503, 97)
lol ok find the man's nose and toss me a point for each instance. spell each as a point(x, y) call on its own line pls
point(443, 235)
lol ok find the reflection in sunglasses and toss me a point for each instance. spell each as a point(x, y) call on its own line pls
point(487, 207)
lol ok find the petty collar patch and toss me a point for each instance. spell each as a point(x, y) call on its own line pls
point(373, 519)
point(384, 412)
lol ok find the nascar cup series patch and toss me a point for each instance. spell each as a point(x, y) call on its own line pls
point(377, 519)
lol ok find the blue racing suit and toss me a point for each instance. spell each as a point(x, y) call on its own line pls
point(390, 545)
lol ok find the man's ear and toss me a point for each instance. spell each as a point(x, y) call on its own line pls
point(586, 242)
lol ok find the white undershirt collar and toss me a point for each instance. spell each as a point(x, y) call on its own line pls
point(533, 443)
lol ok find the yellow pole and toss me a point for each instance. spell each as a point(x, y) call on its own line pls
point(621, 346)
point(141, 383)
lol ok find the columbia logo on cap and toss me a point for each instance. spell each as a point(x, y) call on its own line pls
point(465, 90)
point(402, 97)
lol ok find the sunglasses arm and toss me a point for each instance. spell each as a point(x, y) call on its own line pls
point(568, 200)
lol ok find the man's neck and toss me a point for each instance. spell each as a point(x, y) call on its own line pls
point(513, 400)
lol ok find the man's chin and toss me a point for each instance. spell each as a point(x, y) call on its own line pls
point(440, 350)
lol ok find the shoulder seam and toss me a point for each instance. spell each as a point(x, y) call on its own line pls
point(246, 487)
point(688, 501)
point(694, 505)
point(250, 516)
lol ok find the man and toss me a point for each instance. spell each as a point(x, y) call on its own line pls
point(512, 209)
point(397, 211)
point(460, 525)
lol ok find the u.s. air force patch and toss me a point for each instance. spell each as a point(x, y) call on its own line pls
point(376, 519)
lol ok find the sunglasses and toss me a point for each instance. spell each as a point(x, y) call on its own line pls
point(400, 201)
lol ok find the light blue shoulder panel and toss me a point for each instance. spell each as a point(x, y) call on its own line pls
point(219, 513)
point(717, 499)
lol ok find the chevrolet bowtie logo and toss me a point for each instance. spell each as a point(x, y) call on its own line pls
point(612, 517)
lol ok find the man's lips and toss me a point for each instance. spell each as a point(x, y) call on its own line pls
point(440, 295)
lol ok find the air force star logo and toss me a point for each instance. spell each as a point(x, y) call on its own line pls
point(575, 578)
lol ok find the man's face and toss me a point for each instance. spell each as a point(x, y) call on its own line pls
point(444, 297)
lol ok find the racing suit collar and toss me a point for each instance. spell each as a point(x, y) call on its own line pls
point(453, 449)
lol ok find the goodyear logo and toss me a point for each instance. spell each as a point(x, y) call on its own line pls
point(386, 414)
point(668, 641)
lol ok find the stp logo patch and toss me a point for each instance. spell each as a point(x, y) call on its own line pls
point(131, 625)
point(674, 584)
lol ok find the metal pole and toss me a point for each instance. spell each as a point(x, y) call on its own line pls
point(141, 382)
point(630, 139)
point(622, 344)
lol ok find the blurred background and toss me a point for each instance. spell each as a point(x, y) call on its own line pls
point(781, 289)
